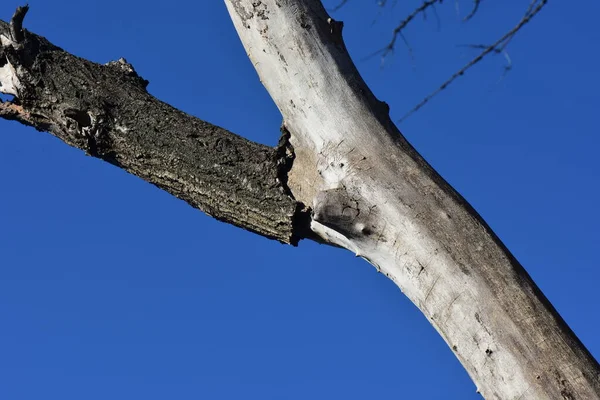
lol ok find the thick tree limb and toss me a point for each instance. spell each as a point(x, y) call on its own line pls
point(106, 111)
point(370, 191)
point(373, 194)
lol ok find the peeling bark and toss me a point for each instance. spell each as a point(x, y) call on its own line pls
point(340, 153)
point(106, 111)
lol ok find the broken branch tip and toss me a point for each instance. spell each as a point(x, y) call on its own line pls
point(16, 23)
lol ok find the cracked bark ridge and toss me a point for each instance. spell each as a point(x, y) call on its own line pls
point(106, 111)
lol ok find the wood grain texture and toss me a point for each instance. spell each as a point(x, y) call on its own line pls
point(369, 190)
point(373, 194)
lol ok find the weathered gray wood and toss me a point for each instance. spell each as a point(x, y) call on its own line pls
point(369, 190)
point(373, 194)
point(106, 111)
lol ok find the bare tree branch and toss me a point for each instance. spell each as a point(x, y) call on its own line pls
point(373, 194)
point(118, 121)
point(498, 47)
point(369, 189)
point(498, 50)
point(397, 32)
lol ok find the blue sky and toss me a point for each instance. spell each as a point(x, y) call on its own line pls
point(110, 288)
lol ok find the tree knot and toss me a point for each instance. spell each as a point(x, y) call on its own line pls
point(345, 213)
point(92, 126)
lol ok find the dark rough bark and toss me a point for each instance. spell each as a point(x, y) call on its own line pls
point(106, 111)
point(497, 314)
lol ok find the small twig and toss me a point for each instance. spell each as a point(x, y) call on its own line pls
point(498, 46)
point(529, 11)
point(16, 23)
point(381, 4)
point(437, 18)
point(421, 9)
point(473, 10)
point(507, 67)
point(340, 5)
point(389, 48)
point(497, 50)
